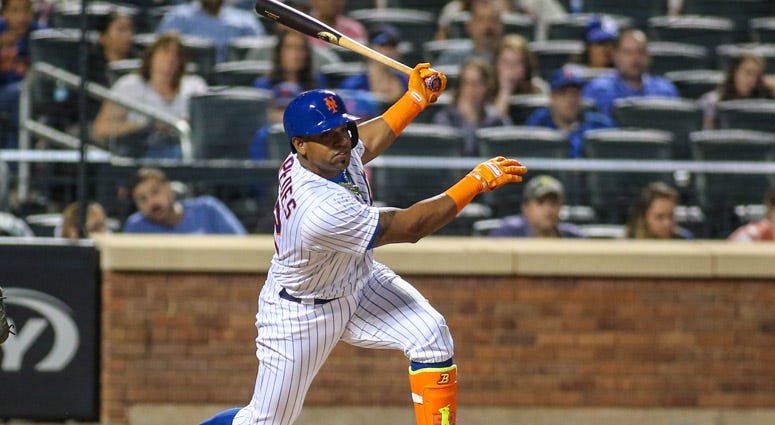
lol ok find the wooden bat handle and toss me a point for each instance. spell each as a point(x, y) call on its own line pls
point(433, 82)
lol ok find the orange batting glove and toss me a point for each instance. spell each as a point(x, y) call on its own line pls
point(485, 177)
point(417, 97)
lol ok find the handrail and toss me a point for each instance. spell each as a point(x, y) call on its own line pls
point(181, 126)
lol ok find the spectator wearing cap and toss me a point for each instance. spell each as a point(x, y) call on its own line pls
point(542, 199)
point(379, 79)
point(599, 40)
point(630, 76)
point(566, 110)
point(282, 94)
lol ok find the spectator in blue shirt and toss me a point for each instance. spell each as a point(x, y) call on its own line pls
point(566, 110)
point(378, 78)
point(160, 212)
point(631, 77)
point(543, 198)
point(212, 20)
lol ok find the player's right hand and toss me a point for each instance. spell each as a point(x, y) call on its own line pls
point(497, 172)
point(419, 88)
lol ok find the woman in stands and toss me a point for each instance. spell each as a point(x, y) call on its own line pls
point(161, 83)
point(744, 79)
point(292, 63)
point(116, 32)
point(652, 216)
point(516, 72)
point(471, 106)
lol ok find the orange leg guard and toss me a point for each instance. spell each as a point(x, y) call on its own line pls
point(434, 392)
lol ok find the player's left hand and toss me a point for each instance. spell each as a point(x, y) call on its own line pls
point(418, 87)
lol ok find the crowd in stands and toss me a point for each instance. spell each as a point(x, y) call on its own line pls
point(489, 70)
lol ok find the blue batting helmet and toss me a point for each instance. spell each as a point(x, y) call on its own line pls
point(315, 112)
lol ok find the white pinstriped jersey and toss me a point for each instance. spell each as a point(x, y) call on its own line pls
point(323, 231)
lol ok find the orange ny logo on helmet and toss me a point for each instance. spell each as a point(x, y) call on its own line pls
point(331, 104)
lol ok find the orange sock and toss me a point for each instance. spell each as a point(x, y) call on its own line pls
point(434, 392)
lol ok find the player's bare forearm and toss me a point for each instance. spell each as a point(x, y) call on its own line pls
point(414, 223)
point(376, 136)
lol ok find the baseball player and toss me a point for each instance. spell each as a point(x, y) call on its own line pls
point(324, 286)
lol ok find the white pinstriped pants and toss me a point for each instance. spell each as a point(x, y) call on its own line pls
point(294, 340)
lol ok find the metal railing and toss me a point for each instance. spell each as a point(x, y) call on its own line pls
point(28, 126)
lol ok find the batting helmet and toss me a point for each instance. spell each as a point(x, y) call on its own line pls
point(315, 112)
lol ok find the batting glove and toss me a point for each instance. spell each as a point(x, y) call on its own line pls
point(416, 99)
point(487, 176)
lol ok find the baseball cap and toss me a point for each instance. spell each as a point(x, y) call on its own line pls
point(540, 186)
point(284, 93)
point(566, 76)
point(385, 35)
point(600, 29)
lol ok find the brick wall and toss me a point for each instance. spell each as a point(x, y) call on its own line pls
point(560, 342)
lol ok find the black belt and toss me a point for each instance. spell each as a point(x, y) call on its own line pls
point(285, 295)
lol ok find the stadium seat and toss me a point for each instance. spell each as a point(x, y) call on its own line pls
point(223, 122)
point(573, 26)
point(719, 194)
point(706, 31)
point(402, 187)
point(336, 72)
point(693, 83)
point(433, 49)
point(762, 29)
point(522, 105)
point(553, 54)
point(667, 56)
point(426, 116)
point(199, 52)
point(240, 73)
point(68, 15)
point(611, 193)
point(678, 116)
point(513, 23)
point(750, 114)
point(253, 47)
point(277, 143)
point(740, 12)
point(522, 142)
point(638, 10)
point(433, 6)
point(57, 47)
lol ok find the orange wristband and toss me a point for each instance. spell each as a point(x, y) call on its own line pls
point(464, 191)
point(403, 112)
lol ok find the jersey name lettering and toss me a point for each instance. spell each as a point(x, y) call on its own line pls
point(284, 198)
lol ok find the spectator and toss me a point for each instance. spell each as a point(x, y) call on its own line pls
point(282, 94)
point(599, 41)
point(160, 83)
point(652, 216)
point(96, 221)
point(543, 198)
point(379, 79)
point(114, 43)
point(761, 230)
point(485, 29)
point(630, 77)
point(566, 110)
point(292, 63)
point(471, 106)
point(160, 212)
point(331, 12)
point(16, 23)
point(213, 20)
point(516, 71)
point(744, 79)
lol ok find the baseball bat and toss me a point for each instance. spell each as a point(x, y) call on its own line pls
point(299, 21)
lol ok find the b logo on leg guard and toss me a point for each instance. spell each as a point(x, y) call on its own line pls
point(444, 379)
